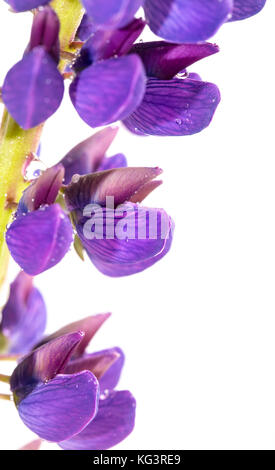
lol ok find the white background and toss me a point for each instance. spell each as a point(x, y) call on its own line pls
point(197, 328)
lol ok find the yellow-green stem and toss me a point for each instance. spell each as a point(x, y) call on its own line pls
point(5, 378)
point(16, 144)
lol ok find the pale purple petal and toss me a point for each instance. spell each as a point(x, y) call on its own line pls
point(24, 5)
point(43, 190)
point(174, 108)
point(105, 365)
point(122, 184)
point(89, 325)
point(108, 91)
point(61, 408)
point(103, 45)
point(23, 316)
point(114, 421)
point(40, 239)
point(164, 60)
point(127, 243)
point(111, 14)
point(117, 161)
point(33, 89)
point(245, 8)
point(186, 20)
point(87, 157)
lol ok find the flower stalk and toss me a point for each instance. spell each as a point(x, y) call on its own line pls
point(5, 378)
point(16, 144)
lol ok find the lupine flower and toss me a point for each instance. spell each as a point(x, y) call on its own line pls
point(33, 89)
point(23, 317)
point(25, 5)
point(66, 395)
point(41, 233)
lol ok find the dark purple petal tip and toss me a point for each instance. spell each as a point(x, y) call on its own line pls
point(39, 240)
point(108, 91)
point(45, 31)
point(184, 21)
point(23, 316)
point(61, 408)
point(114, 421)
point(111, 14)
point(33, 89)
point(174, 108)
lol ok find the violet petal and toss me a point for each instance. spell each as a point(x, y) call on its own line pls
point(43, 364)
point(186, 20)
point(108, 91)
point(40, 239)
point(110, 378)
point(45, 32)
point(61, 408)
point(111, 14)
point(164, 60)
point(23, 316)
point(245, 8)
point(24, 5)
point(86, 28)
point(114, 422)
point(87, 156)
point(120, 183)
point(89, 325)
point(128, 242)
point(43, 190)
point(174, 108)
point(33, 88)
point(103, 45)
point(117, 161)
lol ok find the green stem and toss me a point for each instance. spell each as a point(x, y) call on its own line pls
point(5, 378)
point(16, 143)
point(4, 396)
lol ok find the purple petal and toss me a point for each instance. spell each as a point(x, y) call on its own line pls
point(122, 184)
point(128, 242)
point(45, 31)
point(164, 60)
point(86, 28)
point(110, 378)
point(43, 190)
point(24, 315)
point(108, 91)
point(111, 43)
point(114, 421)
point(43, 364)
point(24, 5)
point(117, 161)
point(111, 14)
point(62, 407)
point(33, 89)
point(186, 20)
point(174, 108)
point(87, 156)
point(105, 365)
point(246, 8)
point(89, 326)
point(40, 239)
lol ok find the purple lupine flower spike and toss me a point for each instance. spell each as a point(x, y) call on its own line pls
point(173, 106)
point(24, 316)
point(89, 155)
point(245, 8)
point(111, 14)
point(184, 21)
point(113, 251)
point(109, 91)
point(24, 5)
point(33, 88)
